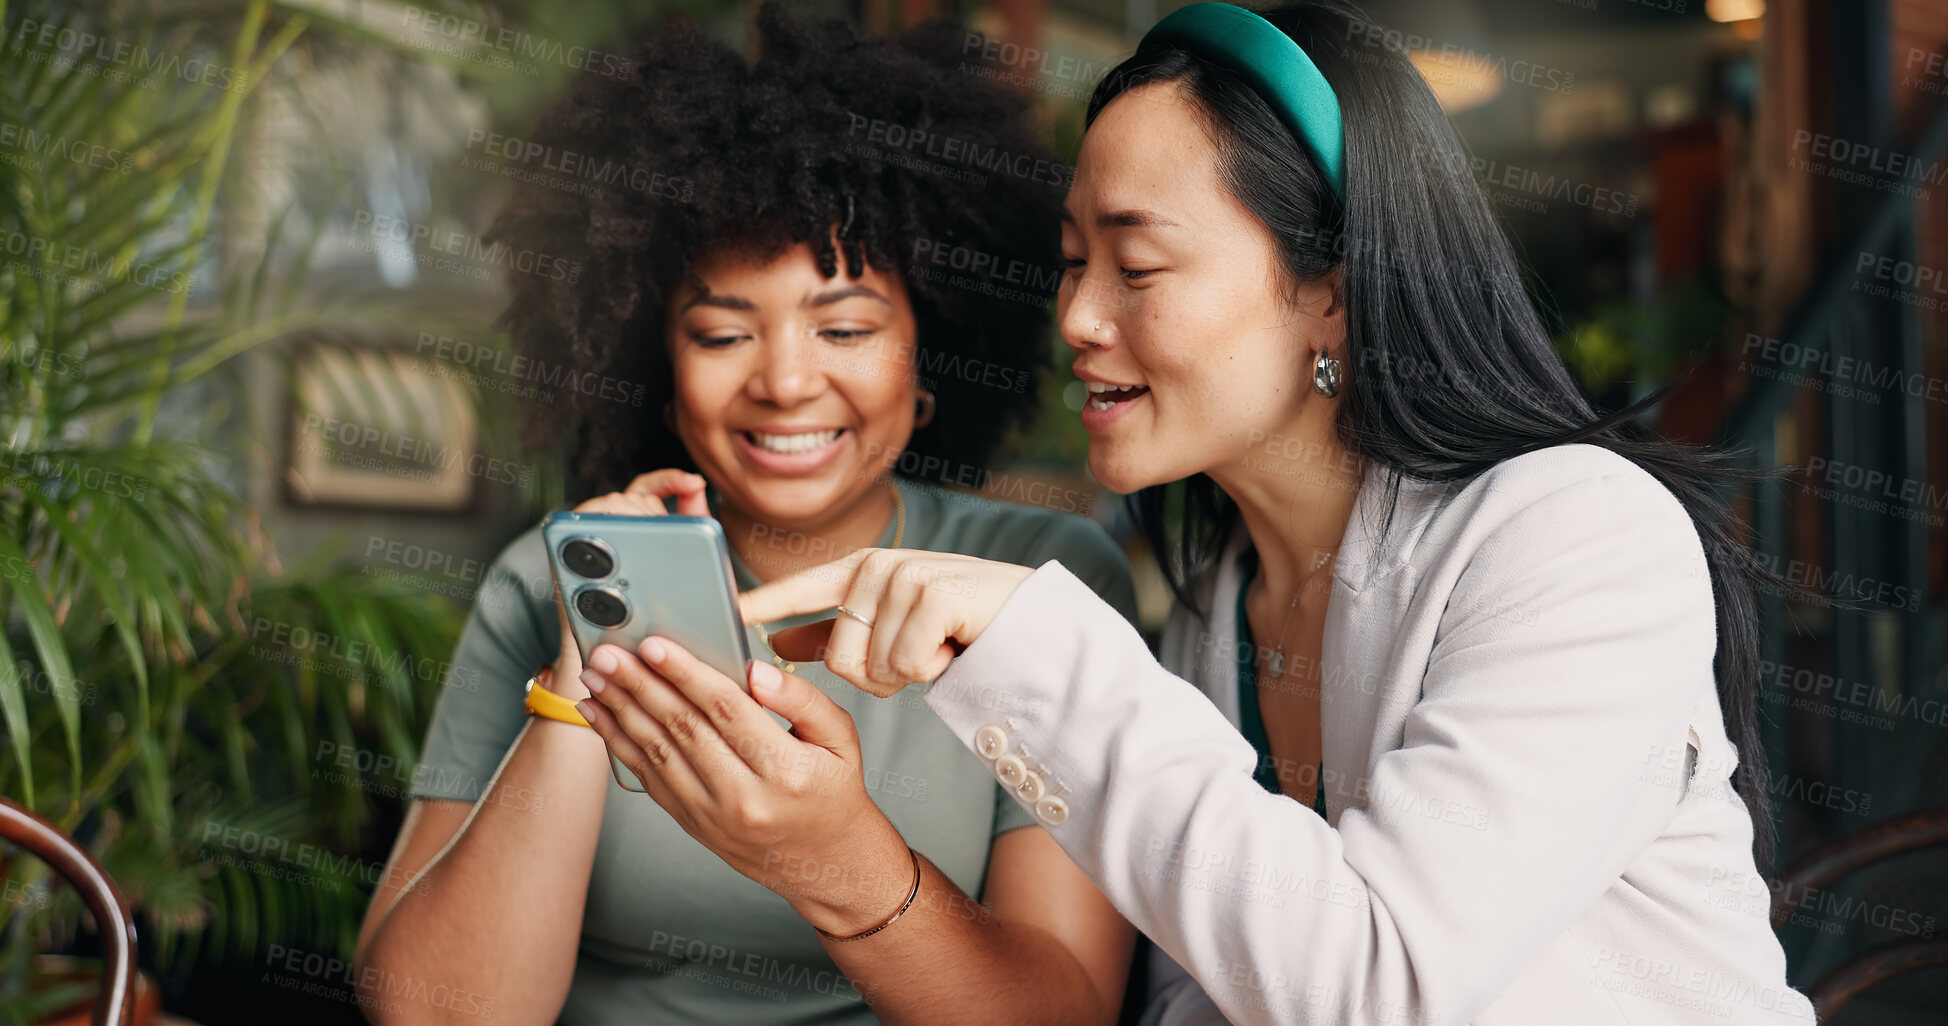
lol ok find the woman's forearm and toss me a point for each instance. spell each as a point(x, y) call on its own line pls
point(498, 914)
point(948, 959)
point(1286, 920)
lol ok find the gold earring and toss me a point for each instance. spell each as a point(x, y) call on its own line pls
point(923, 414)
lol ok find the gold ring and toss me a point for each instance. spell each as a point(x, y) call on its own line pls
point(843, 611)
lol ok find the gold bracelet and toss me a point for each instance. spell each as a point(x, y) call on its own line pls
point(915, 892)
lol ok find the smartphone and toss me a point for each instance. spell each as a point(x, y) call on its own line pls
point(624, 578)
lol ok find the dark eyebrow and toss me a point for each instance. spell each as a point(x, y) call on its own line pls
point(725, 302)
point(1134, 219)
point(1126, 219)
point(831, 296)
point(825, 298)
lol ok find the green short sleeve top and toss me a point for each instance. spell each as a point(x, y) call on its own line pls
point(669, 932)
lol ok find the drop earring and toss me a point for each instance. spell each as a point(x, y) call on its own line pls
point(1325, 375)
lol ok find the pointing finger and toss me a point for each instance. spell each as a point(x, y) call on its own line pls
point(807, 591)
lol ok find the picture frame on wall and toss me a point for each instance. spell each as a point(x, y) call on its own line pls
point(379, 430)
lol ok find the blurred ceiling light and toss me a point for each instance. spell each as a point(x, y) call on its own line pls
point(1460, 80)
point(1447, 44)
point(1734, 10)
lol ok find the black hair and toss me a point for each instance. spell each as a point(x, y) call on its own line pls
point(802, 144)
point(1451, 368)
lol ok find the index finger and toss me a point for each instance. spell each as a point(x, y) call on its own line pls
point(686, 487)
point(810, 590)
point(628, 504)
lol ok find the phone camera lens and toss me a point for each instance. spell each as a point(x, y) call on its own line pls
point(588, 559)
point(602, 607)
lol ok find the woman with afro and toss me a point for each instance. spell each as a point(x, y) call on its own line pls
point(817, 283)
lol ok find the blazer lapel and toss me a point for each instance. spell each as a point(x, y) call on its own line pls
point(1220, 668)
point(1362, 704)
point(1364, 698)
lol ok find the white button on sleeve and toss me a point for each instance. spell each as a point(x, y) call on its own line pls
point(991, 741)
point(1052, 810)
point(1031, 788)
point(1010, 770)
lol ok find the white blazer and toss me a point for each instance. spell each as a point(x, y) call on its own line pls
point(1529, 809)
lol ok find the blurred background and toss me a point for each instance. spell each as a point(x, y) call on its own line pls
point(225, 624)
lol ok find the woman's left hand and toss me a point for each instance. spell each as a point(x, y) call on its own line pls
point(911, 611)
point(778, 806)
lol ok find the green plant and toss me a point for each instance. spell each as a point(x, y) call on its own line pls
point(1627, 341)
point(147, 709)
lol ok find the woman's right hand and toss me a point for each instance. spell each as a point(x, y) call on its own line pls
point(908, 612)
point(644, 497)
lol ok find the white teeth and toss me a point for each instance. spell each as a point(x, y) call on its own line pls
point(790, 444)
point(1102, 396)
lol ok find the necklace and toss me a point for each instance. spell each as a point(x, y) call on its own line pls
point(1275, 659)
point(899, 535)
point(899, 512)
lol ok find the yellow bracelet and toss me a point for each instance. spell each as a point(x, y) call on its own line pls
point(543, 702)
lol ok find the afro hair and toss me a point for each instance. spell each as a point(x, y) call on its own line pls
point(830, 132)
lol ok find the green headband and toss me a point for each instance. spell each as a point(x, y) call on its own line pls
point(1275, 66)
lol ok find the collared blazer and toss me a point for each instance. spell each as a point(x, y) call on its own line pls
point(1530, 810)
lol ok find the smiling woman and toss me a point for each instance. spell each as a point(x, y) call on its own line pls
point(823, 873)
point(798, 390)
point(1457, 705)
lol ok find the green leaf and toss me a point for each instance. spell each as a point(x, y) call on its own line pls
point(52, 650)
point(106, 588)
point(14, 705)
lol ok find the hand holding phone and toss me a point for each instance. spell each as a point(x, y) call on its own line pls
point(646, 496)
point(626, 578)
point(622, 578)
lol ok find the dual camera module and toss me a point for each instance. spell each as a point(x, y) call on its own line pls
point(601, 605)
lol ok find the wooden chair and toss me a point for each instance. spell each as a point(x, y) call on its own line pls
point(1826, 865)
point(47, 842)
